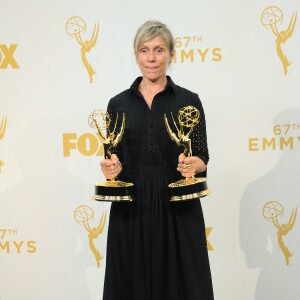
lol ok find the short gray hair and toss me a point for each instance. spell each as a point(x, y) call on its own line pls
point(151, 29)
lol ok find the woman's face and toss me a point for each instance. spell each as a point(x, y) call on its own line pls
point(153, 58)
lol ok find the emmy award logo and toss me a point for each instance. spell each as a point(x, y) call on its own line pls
point(270, 18)
point(190, 187)
point(111, 190)
point(271, 212)
point(82, 215)
point(2, 132)
point(74, 27)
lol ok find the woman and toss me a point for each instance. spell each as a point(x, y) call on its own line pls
point(156, 249)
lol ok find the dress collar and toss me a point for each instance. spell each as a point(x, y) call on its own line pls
point(135, 85)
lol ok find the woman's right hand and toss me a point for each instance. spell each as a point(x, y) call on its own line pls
point(112, 167)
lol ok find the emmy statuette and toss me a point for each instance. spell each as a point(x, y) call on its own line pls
point(111, 190)
point(190, 187)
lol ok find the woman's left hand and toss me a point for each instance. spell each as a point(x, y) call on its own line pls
point(190, 166)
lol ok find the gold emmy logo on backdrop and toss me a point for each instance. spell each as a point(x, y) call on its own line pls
point(82, 215)
point(271, 212)
point(270, 18)
point(6, 56)
point(2, 132)
point(75, 26)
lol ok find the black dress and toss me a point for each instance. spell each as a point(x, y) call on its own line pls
point(156, 249)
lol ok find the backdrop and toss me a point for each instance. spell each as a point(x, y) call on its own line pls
point(60, 60)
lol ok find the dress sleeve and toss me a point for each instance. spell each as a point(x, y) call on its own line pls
point(116, 116)
point(199, 137)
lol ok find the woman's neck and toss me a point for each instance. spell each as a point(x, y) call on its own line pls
point(152, 87)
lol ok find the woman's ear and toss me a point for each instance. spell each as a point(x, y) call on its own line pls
point(172, 56)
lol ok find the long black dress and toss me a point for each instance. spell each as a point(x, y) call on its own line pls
point(156, 249)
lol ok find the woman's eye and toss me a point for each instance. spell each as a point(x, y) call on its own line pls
point(143, 50)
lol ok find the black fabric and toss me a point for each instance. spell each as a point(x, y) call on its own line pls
point(156, 249)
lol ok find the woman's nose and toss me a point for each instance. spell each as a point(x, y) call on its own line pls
point(151, 56)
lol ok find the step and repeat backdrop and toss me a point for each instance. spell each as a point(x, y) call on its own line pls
point(60, 60)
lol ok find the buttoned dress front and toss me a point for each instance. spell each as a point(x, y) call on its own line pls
point(156, 249)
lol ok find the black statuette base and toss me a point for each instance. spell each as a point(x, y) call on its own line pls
point(189, 189)
point(114, 191)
